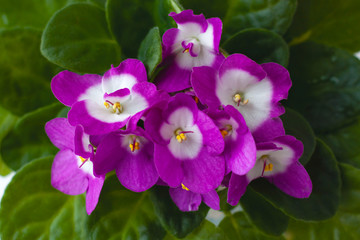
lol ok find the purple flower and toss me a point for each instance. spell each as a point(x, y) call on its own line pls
point(72, 169)
point(187, 145)
point(240, 149)
point(255, 90)
point(130, 153)
point(104, 104)
point(194, 43)
point(277, 161)
point(190, 201)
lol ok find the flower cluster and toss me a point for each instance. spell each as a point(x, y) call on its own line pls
point(206, 118)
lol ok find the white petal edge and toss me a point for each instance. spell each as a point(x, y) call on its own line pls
point(116, 82)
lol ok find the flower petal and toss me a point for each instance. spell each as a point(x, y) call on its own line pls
point(211, 199)
point(61, 133)
point(96, 119)
point(204, 173)
point(93, 193)
point(295, 181)
point(188, 22)
point(237, 188)
point(82, 142)
point(268, 130)
point(126, 75)
point(185, 200)
point(169, 168)
point(69, 87)
point(212, 137)
point(66, 176)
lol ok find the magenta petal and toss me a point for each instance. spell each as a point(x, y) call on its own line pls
point(203, 80)
point(185, 200)
point(217, 28)
point(296, 145)
point(79, 114)
point(136, 171)
point(295, 181)
point(211, 199)
point(60, 133)
point(242, 62)
point(203, 173)
point(82, 143)
point(68, 86)
point(168, 167)
point(168, 40)
point(107, 157)
point(181, 100)
point(212, 137)
point(237, 188)
point(93, 193)
point(152, 124)
point(240, 154)
point(173, 78)
point(187, 16)
point(280, 79)
point(66, 176)
point(268, 130)
point(129, 66)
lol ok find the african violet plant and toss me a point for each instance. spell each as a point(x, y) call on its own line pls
point(170, 109)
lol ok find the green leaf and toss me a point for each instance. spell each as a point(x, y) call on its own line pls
point(261, 45)
point(325, 197)
point(274, 15)
point(237, 226)
point(32, 209)
point(122, 214)
point(77, 38)
point(7, 122)
point(24, 74)
point(206, 230)
point(331, 22)
point(129, 21)
point(263, 214)
point(342, 226)
point(217, 8)
point(350, 189)
point(224, 206)
point(326, 85)
point(176, 222)
point(297, 126)
point(161, 11)
point(345, 143)
point(27, 140)
point(150, 52)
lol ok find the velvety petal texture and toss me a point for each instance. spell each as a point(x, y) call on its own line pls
point(60, 133)
point(188, 145)
point(194, 43)
point(277, 161)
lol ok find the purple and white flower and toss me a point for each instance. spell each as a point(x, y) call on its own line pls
point(240, 149)
point(277, 161)
point(104, 104)
point(194, 43)
point(187, 145)
point(255, 90)
point(72, 169)
point(131, 154)
point(189, 201)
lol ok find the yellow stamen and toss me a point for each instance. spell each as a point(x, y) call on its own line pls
point(186, 50)
point(237, 97)
point(185, 188)
point(180, 137)
point(135, 146)
point(106, 104)
point(82, 159)
point(117, 106)
point(268, 167)
point(224, 133)
point(196, 99)
point(244, 102)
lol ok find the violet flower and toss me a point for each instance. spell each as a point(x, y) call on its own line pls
point(194, 43)
point(187, 145)
point(255, 90)
point(104, 104)
point(189, 201)
point(72, 169)
point(277, 161)
point(240, 149)
point(130, 153)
